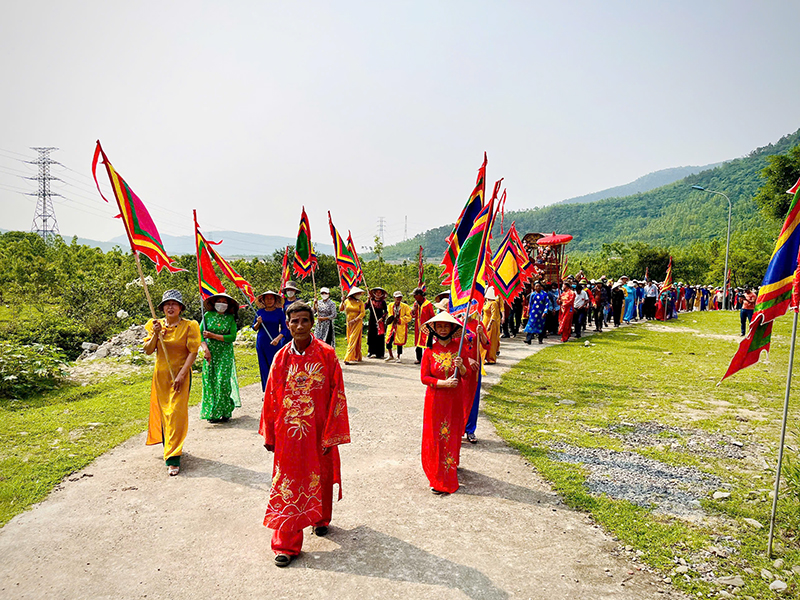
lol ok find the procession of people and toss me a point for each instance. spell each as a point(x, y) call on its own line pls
point(304, 413)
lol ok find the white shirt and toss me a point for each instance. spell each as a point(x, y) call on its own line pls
point(581, 299)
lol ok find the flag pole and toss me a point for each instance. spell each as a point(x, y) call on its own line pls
point(783, 438)
point(152, 310)
point(136, 258)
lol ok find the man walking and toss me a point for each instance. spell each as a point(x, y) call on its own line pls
point(303, 420)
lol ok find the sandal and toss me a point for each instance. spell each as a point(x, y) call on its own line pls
point(173, 470)
point(283, 560)
point(321, 530)
point(439, 492)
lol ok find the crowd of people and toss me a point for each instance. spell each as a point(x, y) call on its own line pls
point(304, 414)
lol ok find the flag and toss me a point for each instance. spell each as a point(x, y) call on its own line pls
point(359, 274)
point(463, 225)
point(646, 273)
point(468, 279)
point(207, 279)
point(421, 273)
point(305, 261)
point(348, 280)
point(231, 274)
point(779, 289)
point(345, 261)
point(506, 280)
point(285, 273)
point(139, 226)
point(668, 277)
point(564, 268)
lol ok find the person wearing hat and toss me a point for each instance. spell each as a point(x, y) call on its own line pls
point(443, 372)
point(175, 341)
point(290, 293)
point(303, 421)
point(271, 332)
point(618, 294)
point(326, 315)
point(376, 326)
point(538, 304)
point(492, 316)
point(354, 312)
point(443, 295)
point(397, 326)
point(220, 384)
point(422, 311)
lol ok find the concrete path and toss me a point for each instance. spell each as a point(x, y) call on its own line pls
point(123, 529)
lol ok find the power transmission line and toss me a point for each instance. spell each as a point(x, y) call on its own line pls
point(44, 219)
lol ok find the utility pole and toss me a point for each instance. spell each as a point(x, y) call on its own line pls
point(381, 227)
point(44, 219)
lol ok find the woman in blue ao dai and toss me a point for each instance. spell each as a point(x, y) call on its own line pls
point(270, 324)
point(538, 305)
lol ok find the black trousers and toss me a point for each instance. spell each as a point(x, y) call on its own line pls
point(616, 310)
point(580, 321)
point(598, 317)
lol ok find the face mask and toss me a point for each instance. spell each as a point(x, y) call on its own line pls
point(325, 296)
point(220, 307)
point(290, 293)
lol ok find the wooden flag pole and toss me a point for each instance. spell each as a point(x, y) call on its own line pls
point(152, 310)
point(783, 438)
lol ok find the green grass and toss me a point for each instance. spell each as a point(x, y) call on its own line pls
point(638, 375)
point(45, 438)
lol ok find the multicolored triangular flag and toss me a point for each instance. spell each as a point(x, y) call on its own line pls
point(142, 233)
point(305, 261)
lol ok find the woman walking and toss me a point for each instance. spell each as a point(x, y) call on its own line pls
point(175, 341)
point(220, 384)
point(566, 302)
point(538, 304)
point(326, 315)
point(270, 327)
point(354, 312)
point(445, 400)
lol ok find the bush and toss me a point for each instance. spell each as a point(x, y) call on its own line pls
point(27, 370)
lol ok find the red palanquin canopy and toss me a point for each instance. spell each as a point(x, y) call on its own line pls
point(554, 240)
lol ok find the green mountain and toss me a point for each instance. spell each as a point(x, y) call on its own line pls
point(674, 215)
point(645, 183)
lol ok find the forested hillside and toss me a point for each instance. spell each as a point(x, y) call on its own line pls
point(670, 216)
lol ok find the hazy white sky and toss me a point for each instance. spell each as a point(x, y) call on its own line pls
point(248, 110)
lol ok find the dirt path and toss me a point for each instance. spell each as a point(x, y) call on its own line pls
point(122, 529)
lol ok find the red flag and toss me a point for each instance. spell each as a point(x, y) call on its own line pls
point(207, 279)
point(142, 233)
point(502, 211)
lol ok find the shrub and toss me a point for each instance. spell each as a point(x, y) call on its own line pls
point(27, 370)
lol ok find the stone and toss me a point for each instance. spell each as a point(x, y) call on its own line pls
point(101, 353)
point(739, 444)
point(766, 574)
point(778, 586)
point(734, 580)
point(796, 569)
point(567, 402)
point(89, 346)
point(682, 569)
point(778, 564)
point(121, 314)
point(753, 523)
point(721, 495)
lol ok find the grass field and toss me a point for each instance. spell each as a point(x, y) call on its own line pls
point(45, 438)
point(589, 396)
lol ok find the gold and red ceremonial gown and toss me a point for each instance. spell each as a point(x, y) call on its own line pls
point(443, 416)
point(304, 412)
point(422, 314)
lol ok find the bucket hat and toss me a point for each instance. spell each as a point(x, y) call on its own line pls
point(174, 295)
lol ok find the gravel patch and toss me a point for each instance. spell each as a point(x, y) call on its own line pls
point(667, 489)
point(678, 439)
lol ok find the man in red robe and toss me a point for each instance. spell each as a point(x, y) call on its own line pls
point(303, 420)
point(422, 311)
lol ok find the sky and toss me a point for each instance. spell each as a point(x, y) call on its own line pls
point(247, 111)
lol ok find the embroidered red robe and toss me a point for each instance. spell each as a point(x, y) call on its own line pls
point(443, 417)
point(304, 412)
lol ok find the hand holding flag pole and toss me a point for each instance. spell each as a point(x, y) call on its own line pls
point(140, 230)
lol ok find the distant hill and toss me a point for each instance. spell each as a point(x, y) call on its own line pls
point(235, 244)
point(645, 183)
point(671, 215)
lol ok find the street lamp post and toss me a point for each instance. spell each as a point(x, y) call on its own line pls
point(727, 244)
